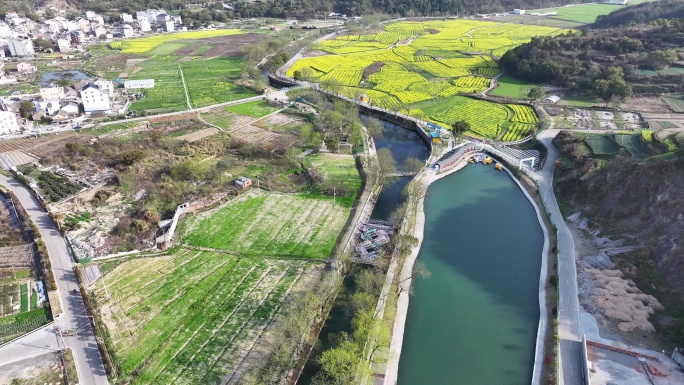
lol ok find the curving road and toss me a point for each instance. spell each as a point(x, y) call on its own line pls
point(74, 316)
point(570, 370)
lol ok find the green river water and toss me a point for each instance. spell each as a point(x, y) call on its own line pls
point(474, 320)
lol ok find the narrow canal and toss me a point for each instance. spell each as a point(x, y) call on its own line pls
point(474, 320)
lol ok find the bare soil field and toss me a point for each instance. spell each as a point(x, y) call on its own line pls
point(233, 45)
point(41, 146)
point(645, 104)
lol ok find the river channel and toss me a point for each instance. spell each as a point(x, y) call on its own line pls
point(474, 320)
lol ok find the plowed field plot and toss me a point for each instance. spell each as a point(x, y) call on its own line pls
point(192, 317)
point(251, 130)
point(271, 224)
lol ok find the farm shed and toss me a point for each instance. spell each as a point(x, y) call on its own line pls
point(551, 99)
point(143, 83)
point(243, 182)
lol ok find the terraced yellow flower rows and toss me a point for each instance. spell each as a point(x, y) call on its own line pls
point(424, 61)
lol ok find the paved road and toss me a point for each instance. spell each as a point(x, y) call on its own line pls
point(74, 316)
point(40, 341)
point(570, 368)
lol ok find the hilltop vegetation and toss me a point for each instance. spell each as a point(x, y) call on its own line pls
point(305, 9)
point(584, 62)
point(642, 13)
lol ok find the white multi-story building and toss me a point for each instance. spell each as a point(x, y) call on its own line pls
point(98, 20)
point(126, 18)
point(127, 31)
point(8, 122)
point(177, 19)
point(90, 15)
point(5, 30)
point(106, 87)
point(169, 26)
point(64, 45)
point(100, 31)
point(144, 25)
point(94, 100)
point(51, 93)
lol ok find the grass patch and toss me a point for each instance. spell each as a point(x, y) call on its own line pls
point(512, 87)
point(101, 130)
point(585, 14)
point(338, 171)
point(255, 109)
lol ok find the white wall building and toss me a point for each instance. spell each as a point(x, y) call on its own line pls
point(126, 18)
point(169, 26)
point(64, 45)
point(106, 87)
point(144, 25)
point(90, 15)
point(518, 11)
point(100, 31)
point(52, 93)
point(8, 122)
point(143, 83)
point(94, 100)
point(127, 31)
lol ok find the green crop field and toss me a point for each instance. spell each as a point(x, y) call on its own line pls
point(256, 109)
point(676, 102)
point(273, 224)
point(633, 144)
point(192, 317)
point(340, 171)
point(602, 145)
point(425, 66)
point(512, 87)
point(586, 13)
point(209, 81)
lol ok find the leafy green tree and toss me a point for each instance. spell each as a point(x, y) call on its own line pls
point(535, 93)
point(25, 109)
point(459, 128)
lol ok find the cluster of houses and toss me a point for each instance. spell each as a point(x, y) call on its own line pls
point(17, 33)
point(72, 105)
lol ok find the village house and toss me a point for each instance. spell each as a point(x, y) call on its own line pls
point(106, 87)
point(126, 18)
point(8, 122)
point(144, 25)
point(94, 100)
point(25, 68)
point(52, 92)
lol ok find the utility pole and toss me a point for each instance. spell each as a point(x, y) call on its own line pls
point(105, 287)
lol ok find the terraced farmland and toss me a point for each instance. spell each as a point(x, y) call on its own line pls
point(194, 317)
point(427, 60)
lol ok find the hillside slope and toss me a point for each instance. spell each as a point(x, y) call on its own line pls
point(641, 202)
point(642, 13)
point(580, 60)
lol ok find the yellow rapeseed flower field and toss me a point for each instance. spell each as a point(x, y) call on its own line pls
point(410, 65)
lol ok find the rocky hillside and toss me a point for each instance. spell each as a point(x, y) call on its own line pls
point(641, 201)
